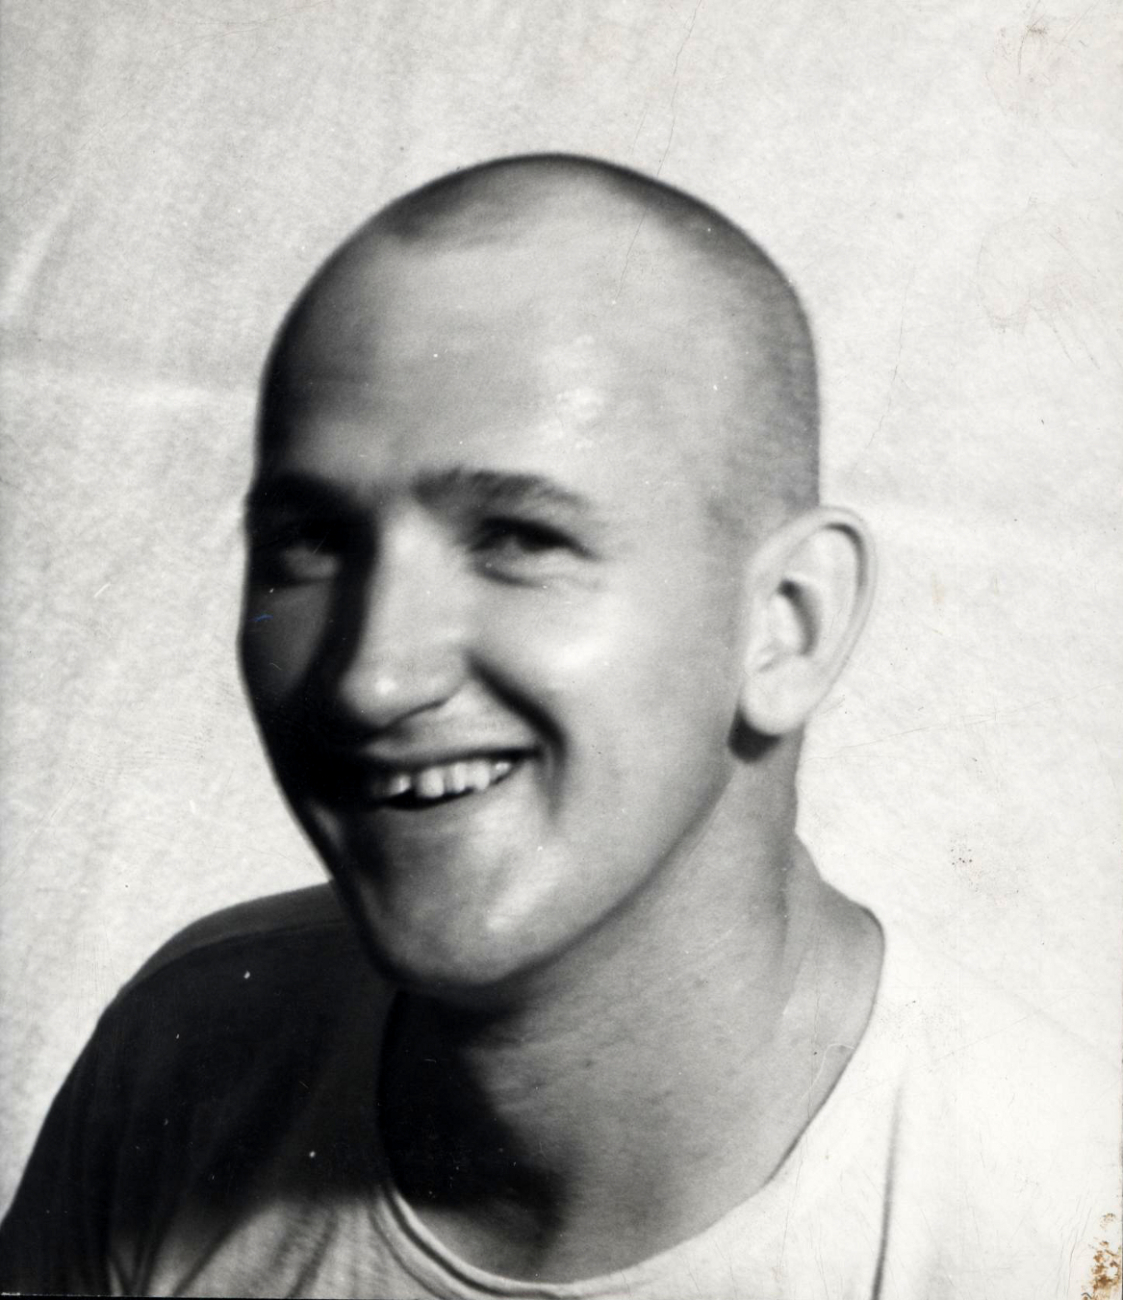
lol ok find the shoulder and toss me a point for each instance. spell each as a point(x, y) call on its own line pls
point(227, 1042)
point(1009, 1124)
point(299, 918)
point(250, 1028)
point(972, 1028)
point(254, 992)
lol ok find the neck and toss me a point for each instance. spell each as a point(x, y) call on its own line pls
point(560, 1133)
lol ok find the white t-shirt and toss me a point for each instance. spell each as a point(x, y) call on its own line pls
point(219, 1138)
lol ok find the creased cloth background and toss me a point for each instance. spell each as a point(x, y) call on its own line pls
point(938, 177)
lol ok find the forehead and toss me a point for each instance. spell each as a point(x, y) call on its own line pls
point(538, 352)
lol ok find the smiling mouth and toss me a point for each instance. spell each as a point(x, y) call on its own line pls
point(422, 787)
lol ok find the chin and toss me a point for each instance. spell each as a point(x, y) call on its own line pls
point(446, 956)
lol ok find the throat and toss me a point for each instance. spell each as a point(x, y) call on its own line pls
point(451, 1141)
point(458, 1160)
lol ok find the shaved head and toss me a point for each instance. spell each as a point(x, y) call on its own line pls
point(611, 262)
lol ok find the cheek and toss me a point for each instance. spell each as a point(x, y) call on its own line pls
point(558, 651)
point(616, 672)
point(280, 638)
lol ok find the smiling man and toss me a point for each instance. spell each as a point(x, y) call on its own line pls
point(539, 598)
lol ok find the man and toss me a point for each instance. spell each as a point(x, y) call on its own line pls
point(539, 598)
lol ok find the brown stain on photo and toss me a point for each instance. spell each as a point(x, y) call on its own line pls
point(1104, 1283)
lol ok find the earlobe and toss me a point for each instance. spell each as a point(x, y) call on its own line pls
point(810, 588)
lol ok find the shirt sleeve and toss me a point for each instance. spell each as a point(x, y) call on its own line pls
point(54, 1238)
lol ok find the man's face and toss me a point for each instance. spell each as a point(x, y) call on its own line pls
point(492, 631)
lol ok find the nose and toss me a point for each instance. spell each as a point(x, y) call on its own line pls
point(398, 647)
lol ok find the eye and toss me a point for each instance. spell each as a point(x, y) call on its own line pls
point(297, 551)
point(512, 547)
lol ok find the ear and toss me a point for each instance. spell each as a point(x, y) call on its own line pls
point(810, 587)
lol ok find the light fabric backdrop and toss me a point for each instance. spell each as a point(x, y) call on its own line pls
point(938, 176)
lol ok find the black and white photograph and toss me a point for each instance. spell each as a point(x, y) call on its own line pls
point(561, 650)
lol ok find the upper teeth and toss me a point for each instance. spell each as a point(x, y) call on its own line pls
point(442, 778)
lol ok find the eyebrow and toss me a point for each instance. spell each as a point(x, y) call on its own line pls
point(486, 490)
point(456, 488)
point(289, 491)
